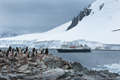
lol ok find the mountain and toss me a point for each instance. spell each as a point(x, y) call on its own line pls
point(6, 33)
point(96, 25)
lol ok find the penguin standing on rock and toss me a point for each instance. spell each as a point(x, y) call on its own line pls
point(26, 49)
point(28, 55)
point(10, 48)
point(0, 50)
point(33, 50)
point(17, 49)
point(7, 53)
point(42, 52)
point(15, 53)
point(46, 51)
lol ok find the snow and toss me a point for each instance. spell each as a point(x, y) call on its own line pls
point(35, 36)
point(97, 27)
point(6, 33)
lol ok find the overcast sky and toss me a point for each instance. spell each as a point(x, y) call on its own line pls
point(29, 16)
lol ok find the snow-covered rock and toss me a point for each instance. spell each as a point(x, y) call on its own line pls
point(6, 33)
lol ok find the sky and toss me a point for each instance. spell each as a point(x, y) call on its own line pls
point(36, 16)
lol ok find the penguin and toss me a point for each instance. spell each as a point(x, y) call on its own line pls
point(33, 50)
point(26, 49)
point(13, 50)
point(46, 51)
point(7, 53)
point(15, 54)
point(0, 50)
point(10, 48)
point(24, 52)
point(17, 49)
point(42, 51)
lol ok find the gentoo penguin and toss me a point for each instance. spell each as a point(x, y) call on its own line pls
point(17, 49)
point(0, 50)
point(7, 53)
point(42, 52)
point(15, 53)
point(10, 48)
point(33, 50)
point(26, 49)
point(46, 51)
point(28, 55)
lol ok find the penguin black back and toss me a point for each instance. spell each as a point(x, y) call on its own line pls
point(0, 50)
point(15, 55)
point(46, 51)
point(42, 51)
point(10, 48)
point(26, 49)
point(17, 49)
point(7, 53)
point(33, 50)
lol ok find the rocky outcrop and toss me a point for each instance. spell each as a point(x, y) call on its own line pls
point(74, 23)
point(78, 18)
point(101, 6)
point(49, 67)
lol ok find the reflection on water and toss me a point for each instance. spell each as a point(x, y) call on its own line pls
point(92, 59)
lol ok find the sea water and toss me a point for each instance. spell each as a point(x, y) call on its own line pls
point(98, 60)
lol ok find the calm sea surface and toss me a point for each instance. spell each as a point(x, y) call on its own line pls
point(91, 59)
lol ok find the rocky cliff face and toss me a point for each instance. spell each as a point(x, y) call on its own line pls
point(78, 18)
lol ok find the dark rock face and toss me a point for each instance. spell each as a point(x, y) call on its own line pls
point(101, 6)
point(77, 66)
point(74, 23)
point(78, 18)
point(84, 13)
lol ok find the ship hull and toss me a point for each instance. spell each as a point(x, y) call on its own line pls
point(73, 50)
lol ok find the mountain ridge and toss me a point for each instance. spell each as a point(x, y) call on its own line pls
point(6, 33)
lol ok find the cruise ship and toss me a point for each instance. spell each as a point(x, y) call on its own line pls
point(71, 48)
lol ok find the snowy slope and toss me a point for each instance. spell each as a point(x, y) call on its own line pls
point(94, 24)
point(6, 33)
point(97, 26)
point(36, 36)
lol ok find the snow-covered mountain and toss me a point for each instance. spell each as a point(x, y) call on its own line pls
point(6, 33)
point(97, 23)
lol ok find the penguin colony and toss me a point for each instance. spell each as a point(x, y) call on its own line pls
point(12, 54)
